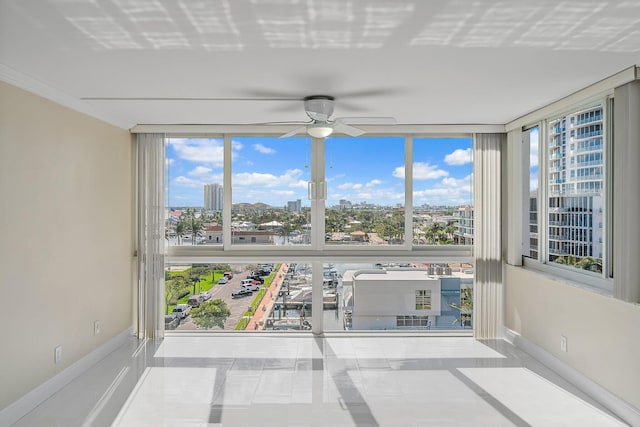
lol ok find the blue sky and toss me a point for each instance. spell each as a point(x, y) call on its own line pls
point(534, 146)
point(364, 169)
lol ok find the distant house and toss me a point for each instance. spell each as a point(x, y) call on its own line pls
point(358, 236)
point(256, 237)
point(213, 234)
point(270, 225)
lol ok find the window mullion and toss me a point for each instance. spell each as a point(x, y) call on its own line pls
point(543, 202)
point(408, 192)
point(226, 194)
point(318, 199)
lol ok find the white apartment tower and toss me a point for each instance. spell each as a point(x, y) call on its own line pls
point(213, 197)
point(294, 205)
point(575, 185)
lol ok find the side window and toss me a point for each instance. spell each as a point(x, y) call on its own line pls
point(531, 139)
point(575, 200)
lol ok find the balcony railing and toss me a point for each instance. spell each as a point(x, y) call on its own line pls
point(597, 118)
point(583, 135)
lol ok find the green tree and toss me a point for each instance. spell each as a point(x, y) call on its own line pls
point(589, 263)
point(172, 288)
point(180, 230)
point(211, 313)
point(433, 232)
point(465, 308)
point(196, 226)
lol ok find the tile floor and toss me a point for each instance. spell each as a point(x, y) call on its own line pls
point(301, 380)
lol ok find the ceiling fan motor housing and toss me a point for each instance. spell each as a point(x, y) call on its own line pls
point(319, 107)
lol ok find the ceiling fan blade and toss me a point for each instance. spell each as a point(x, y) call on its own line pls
point(188, 99)
point(294, 122)
point(370, 93)
point(367, 120)
point(294, 132)
point(346, 129)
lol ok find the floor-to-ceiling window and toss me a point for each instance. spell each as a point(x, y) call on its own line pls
point(248, 217)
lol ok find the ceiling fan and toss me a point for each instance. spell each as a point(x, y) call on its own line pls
point(319, 108)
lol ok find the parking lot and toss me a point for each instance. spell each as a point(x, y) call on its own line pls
point(237, 306)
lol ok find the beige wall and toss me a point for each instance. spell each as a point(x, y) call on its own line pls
point(65, 237)
point(603, 333)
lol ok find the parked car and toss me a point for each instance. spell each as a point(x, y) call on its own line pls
point(223, 281)
point(182, 310)
point(252, 286)
point(228, 275)
point(195, 300)
point(206, 295)
point(264, 273)
point(255, 276)
point(171, 321)
point(242, 292)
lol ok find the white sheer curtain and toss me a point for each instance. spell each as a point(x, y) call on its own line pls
point(488, 289)
point(150, 193)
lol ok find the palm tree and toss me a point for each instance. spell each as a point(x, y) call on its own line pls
point(180, 229)
point(433, 233)
point(465, 308)
point(196, 228)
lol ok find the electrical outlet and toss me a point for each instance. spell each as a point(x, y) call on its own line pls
point(96, 327)
point(563, 343)
point(57, 354)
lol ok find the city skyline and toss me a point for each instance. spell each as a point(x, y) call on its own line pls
point(275, 171)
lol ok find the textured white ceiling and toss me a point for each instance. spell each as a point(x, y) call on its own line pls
point(423, 62)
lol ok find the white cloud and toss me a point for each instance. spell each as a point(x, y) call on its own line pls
point(349, 186)
point(200, 171)
point(533, 182)
point(290, 178)
point(169, 162)
point(373, 182)
point(533, 154)
point(201, 150)
point(448, 192)
point(183, 181)
point(421, 171)
point(459, 157)
point(236, 145)
point(262, 149)
point(198, 178)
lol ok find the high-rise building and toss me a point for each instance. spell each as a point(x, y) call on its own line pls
point(213, 197)
point(464, 226)
point(294, 205)
point(575, 184)
point(345, 204)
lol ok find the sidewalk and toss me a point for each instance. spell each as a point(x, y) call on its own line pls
point(258, 320)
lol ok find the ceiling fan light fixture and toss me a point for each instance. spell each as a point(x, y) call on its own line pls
point(319, 130)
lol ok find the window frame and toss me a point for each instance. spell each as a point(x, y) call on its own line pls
point(598, 282)
point(318, 249)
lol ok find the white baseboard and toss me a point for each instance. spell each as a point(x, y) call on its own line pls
point(618, 406)
point(35, 397)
